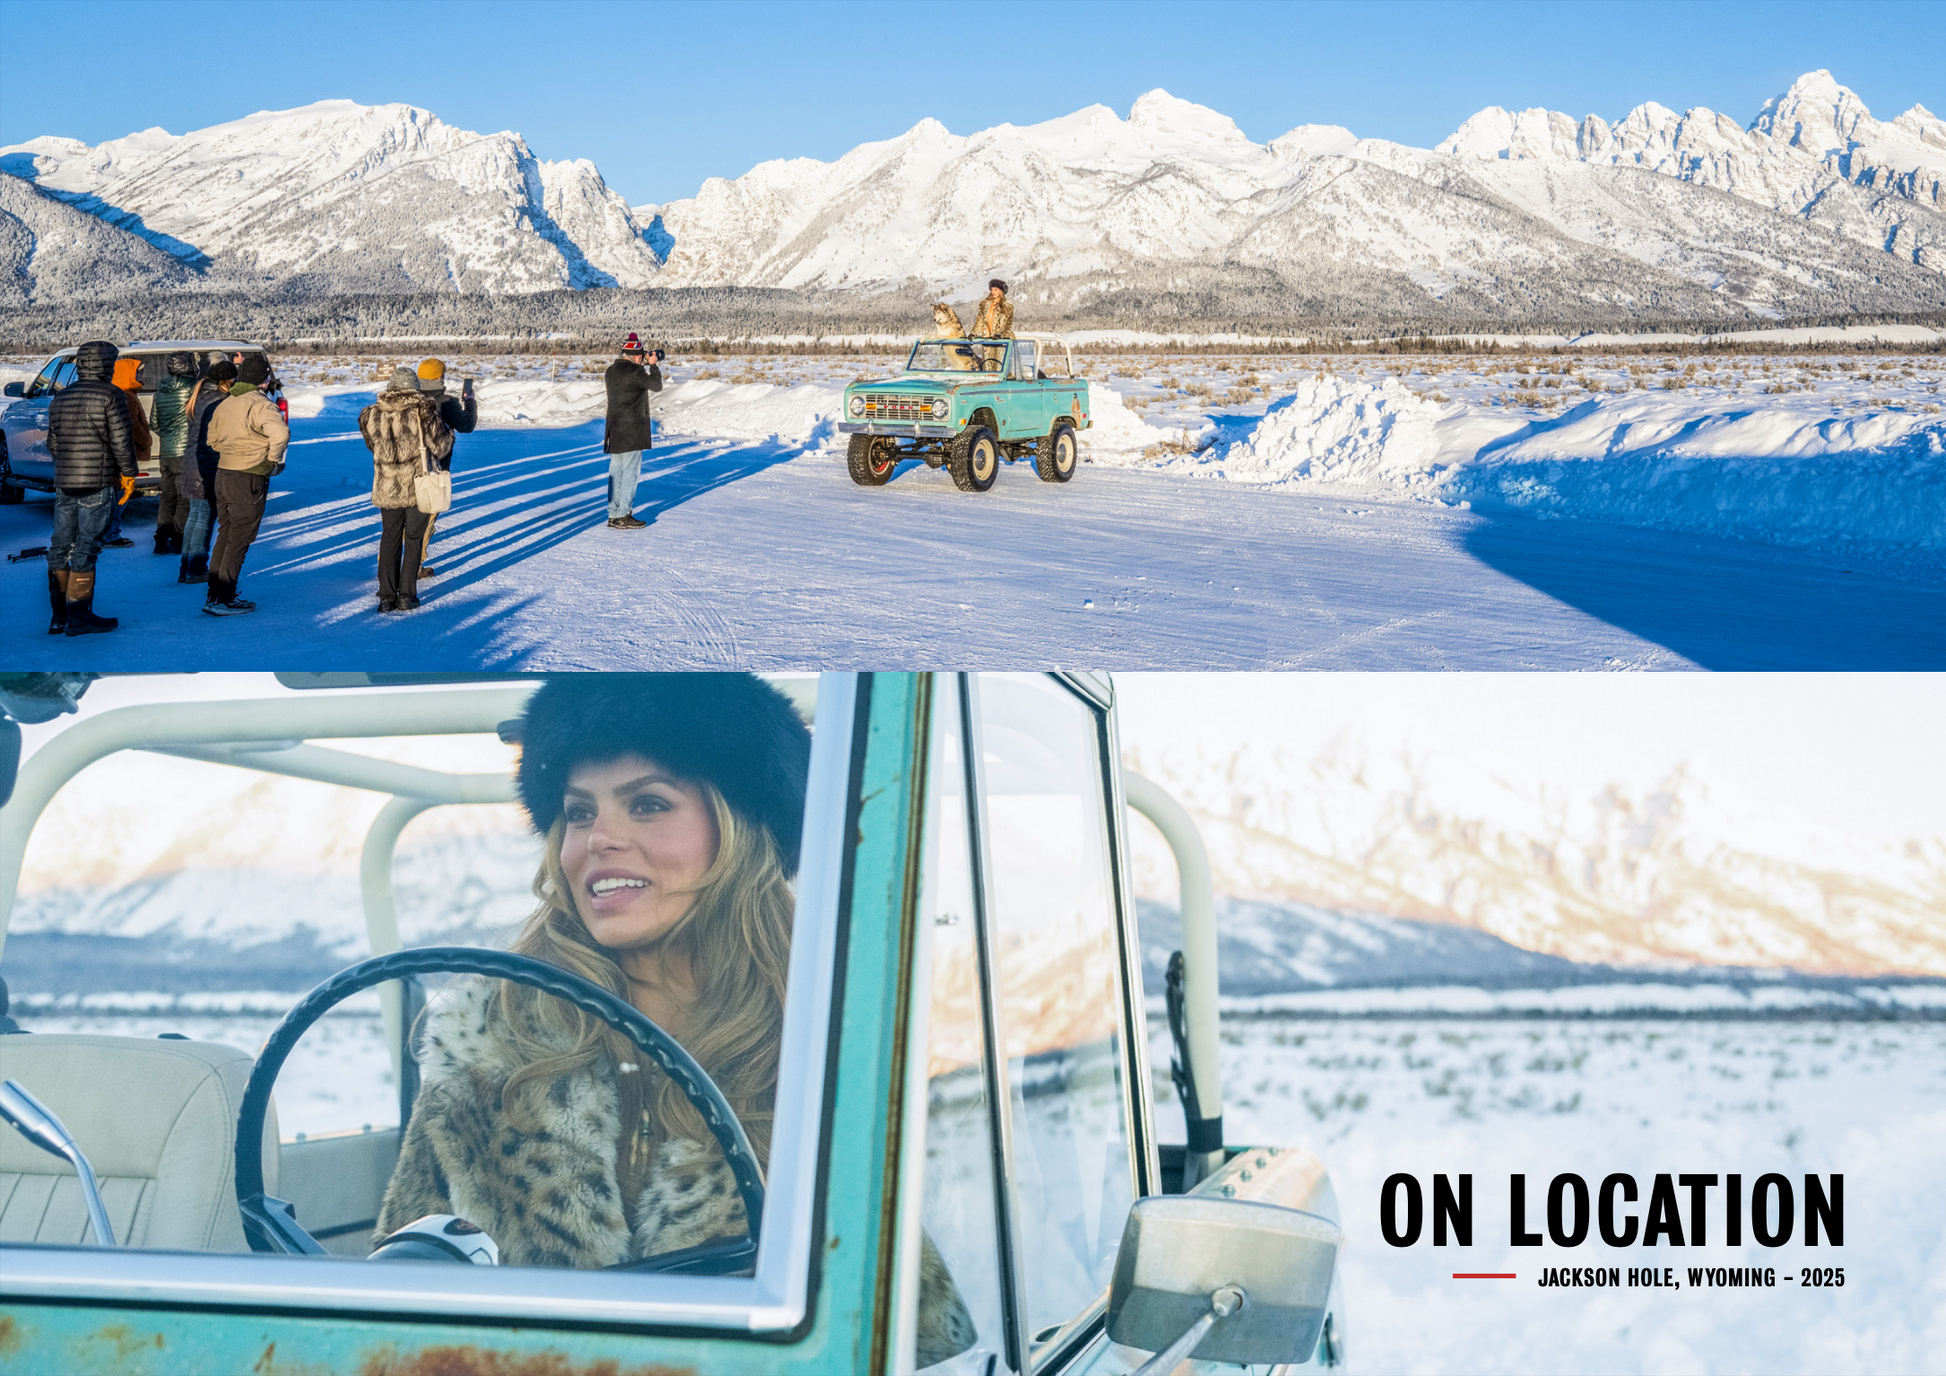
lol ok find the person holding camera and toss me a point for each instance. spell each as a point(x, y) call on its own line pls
point(628, 433)
point(459, 414)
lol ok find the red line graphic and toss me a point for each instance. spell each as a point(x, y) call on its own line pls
point(1483, 1275)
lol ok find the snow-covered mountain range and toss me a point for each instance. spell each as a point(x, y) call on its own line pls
point(344, 197)
point(1506, 206)
point(1814, 207)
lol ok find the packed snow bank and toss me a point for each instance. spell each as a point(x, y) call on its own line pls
point(804, 414)
point(1117, 435)
point(307, 401)
point(1332, 430)
point(1795, 473)
point(1789, 470)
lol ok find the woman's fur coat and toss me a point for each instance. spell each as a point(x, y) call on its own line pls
point(407, 437)
point(549, 1195)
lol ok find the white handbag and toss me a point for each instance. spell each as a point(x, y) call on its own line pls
point(432, 490)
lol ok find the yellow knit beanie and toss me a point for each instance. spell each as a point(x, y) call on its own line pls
point(432, 370)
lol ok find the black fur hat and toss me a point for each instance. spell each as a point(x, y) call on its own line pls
point(734, 730)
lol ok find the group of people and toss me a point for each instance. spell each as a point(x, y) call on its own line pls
point(218, 437)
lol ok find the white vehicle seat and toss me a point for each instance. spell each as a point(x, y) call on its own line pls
point(157, 1120)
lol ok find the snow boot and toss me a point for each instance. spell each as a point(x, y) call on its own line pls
point(57, 596)
point(195, 569)
point(175, 541)
point(81, 606)
point(162, 539)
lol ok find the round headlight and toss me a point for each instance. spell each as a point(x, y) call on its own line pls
point(939, 408)
point(856, 406)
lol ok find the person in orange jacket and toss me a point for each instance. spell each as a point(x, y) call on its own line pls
point(128, 377)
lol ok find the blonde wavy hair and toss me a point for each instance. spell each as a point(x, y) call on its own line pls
point(736, 937)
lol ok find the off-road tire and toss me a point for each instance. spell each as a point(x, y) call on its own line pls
point(11, 495)
point(870, 460)
point(1055, 455)
point(973, 458)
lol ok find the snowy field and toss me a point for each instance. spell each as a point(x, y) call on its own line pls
point(1277, 511)
point(1533, 1095)
point(1545, 1096)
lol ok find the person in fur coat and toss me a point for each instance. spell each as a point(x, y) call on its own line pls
point(407, 437)
point(671, 811)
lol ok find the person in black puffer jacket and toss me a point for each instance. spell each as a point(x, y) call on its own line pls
point(94, 465)
point(199, 471)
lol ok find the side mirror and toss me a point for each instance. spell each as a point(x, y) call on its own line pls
point(14, 389)
point(1250, 1281)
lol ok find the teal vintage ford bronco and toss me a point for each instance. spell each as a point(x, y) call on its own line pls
point(962, 1174)
point(967, 405)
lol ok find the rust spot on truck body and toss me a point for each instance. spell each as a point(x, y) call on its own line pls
point(469, 1360)
point(127, 1341)
point(10, 1336)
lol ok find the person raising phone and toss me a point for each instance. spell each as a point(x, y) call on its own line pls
point(628, 431)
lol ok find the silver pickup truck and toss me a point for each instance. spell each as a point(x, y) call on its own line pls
point(24, 460)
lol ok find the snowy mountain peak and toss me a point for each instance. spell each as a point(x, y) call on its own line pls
point(1314, 141)
point(1817, 115)
point(1171, 117)
point(1498, 133)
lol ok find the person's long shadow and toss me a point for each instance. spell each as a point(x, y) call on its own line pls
point(1729, 604)
point(517, 494)
point(509, 512)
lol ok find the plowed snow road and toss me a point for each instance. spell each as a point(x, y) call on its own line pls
point(761, 556)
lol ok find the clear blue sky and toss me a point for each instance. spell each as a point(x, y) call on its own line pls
point(662, 95)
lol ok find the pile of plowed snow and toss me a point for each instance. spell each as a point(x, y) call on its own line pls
point(1333, 431)
point(1785, 470)
point(1116, 434)
point(804, 414)
point(1793, 472)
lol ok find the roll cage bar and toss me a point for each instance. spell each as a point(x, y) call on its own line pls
point(272, 735)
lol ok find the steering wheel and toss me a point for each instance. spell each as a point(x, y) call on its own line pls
point(271, 1225)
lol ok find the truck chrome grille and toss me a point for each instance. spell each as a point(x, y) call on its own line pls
point(895, 406)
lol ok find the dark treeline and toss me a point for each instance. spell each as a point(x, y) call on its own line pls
point(734, 319)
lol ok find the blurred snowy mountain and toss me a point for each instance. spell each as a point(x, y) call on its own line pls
point(1676, 873)
point(1815, 207)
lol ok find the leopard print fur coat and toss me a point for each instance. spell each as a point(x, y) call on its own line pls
point(549, 1195)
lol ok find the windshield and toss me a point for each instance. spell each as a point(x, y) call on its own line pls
point(58, 373)
point(950, 356)
point(239, 843)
